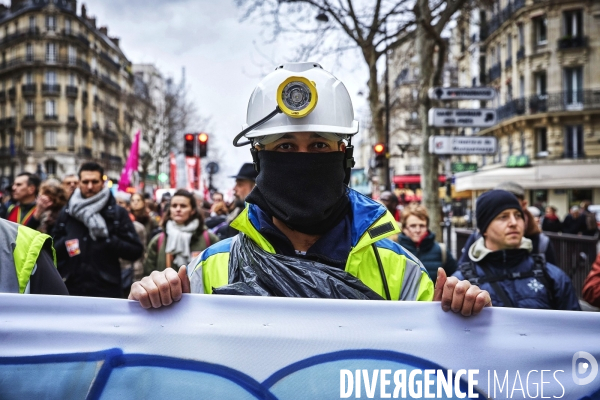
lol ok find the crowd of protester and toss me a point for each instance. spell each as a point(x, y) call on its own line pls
point(105, 242)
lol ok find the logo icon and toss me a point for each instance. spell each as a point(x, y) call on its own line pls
point(580, 368)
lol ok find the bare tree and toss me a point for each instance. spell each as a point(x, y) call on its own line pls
point(374, 28)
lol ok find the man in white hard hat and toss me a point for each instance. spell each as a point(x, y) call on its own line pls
point(303, 232)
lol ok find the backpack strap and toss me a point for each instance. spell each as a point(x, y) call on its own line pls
point(541, 272)
point(497, 288)
point(470, 273)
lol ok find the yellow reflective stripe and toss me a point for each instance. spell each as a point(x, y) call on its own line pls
point(242, 223)
point(426, 288)
point(366, 239)
point(215, 271)
point(28, 245)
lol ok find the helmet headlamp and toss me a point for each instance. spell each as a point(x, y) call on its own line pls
point(297, 96)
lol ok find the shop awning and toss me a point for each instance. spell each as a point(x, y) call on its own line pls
point(558, 175)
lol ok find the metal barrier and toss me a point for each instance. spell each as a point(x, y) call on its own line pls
point(575, 253)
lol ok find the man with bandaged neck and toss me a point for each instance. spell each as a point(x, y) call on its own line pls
point(303, 232)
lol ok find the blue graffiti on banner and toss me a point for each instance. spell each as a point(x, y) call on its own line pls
point(111, 374)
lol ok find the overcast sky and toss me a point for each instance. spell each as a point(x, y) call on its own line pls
point(218, 52)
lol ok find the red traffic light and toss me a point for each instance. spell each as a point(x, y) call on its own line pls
point(379, 148)
point(203, 138)
point(189, 137)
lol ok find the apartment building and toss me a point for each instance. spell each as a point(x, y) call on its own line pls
point(63, 89)
point(542, 57)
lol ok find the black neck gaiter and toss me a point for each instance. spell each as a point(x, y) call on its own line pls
point(305, 191)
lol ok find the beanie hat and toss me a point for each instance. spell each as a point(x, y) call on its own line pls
point(492, 203)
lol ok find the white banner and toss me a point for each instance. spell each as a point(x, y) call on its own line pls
point(233, 347)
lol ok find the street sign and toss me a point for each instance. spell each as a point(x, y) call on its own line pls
point(517, 161)
point(463, 167)
point(463, 145)
point(462, 118)
point(212, 167)
point(454, 93)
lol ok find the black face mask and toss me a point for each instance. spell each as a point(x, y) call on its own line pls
point(305, 191)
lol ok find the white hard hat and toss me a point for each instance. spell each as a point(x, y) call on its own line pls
point(312, 100)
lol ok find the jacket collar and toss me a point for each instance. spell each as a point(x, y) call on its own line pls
point(371, 222)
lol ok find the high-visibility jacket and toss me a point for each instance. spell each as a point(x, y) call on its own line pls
point(406, 277)
point(20, 248)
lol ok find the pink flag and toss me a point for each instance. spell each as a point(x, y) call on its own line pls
point(131, 166)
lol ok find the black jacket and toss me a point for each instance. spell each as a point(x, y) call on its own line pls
point(96, 271)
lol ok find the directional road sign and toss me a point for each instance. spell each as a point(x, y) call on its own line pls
point(453, 93)
point(463, 145)
point(462, 118)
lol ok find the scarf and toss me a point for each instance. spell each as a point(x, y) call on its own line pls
point(178, 241)
point(88, 211)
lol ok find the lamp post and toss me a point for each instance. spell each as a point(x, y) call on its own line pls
point(388, 184)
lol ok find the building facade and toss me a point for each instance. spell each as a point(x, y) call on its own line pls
point(63, 86)
point(542, 57)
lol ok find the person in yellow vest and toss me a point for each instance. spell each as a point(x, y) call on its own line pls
point(27, 261)
point(303, 232)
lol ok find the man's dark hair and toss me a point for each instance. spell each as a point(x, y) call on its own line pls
point(91, 166)
point(32, 179)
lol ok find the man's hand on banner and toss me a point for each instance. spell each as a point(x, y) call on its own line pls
point(161, 288)
point(460, 296)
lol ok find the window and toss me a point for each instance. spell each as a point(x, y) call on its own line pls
point(522, 139)
point(71, 139)
point(13, 111)
point(72, 79)
point(521, 36)
point(574, 141)
point(67, 25)
point(72, 55)
point(29, 78)
point(29, 108)
point(509, 92)
point(498, 56)
point(50, 139)
point(29, 52)
point(29, 139)
point(50, 108)
point(50, 52)
point(521, 86)
point(573, 24)
point(71, 109)
point(93, 64)
point(50, 77)
point(50, 166)
point(32, 23)
point(573, 86)
point(541, 140)
point(541, 30)
point(509, 46)
point(50, 22)
point(540, 83)
point(510, 145)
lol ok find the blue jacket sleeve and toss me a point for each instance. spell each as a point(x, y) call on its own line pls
point(564, 293)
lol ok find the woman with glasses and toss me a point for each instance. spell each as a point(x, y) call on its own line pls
point(420, 241)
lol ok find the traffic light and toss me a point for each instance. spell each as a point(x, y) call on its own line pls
point(189, 145)
point(380, 155)
point(203, 143)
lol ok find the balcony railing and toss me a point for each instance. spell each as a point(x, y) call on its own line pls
point(105, 57)
point(51, 117)
point(498, 19)
point(72, 91)
point(28, 118)
point(551, 102)
point(521, 53)
point(494, 72)
point(32, 60)
point(19, 34)
point(29, 89)
point(572, 42)
point(9, 122)
point(111, 83)
point(2, 96)
point(50, 89)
